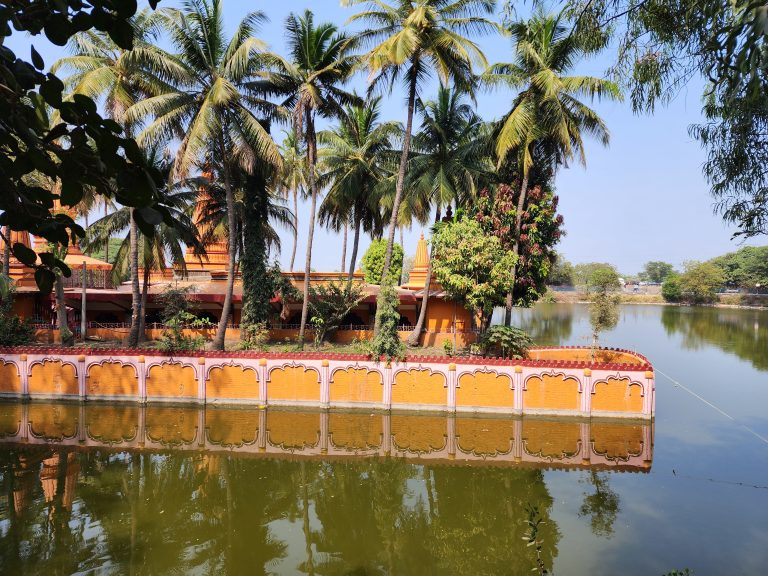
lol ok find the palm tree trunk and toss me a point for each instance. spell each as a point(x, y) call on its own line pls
point(65, 335)
point(400, 178)
point(312, 159)
point(7, 252)
point(516, 248)
point(402, 245)
point(133, 335)
point(106, 242)
point(413, 339)
point(344, 248)
point(144, 293)
point(355, 245)
point(221, 332)
point(295, 227)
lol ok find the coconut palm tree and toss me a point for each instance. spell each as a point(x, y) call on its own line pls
point(450, 161)
point(209, 108)
point(119, 78)
point(258, 206)
point(309, 85)
point(411, 39)
point(356, 158)
point(292, 180)
point(165, 247)
point(546, 114)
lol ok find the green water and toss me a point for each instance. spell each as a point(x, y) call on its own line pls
point(121, 490)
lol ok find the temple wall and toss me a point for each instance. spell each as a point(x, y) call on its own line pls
point(424, 383)
point(551, 443)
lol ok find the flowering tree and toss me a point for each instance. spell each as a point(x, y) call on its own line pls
point(541, 230)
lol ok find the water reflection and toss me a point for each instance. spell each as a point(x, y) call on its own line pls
point(552, 443)
point(548, 326)
point(736, 331)
point(148, 494)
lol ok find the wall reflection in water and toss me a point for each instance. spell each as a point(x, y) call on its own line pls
point(127, 489)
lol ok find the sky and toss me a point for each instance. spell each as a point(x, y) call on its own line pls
point(642, 198)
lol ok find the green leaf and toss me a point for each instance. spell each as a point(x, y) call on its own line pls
point(71, 192)
point(37, 60)
point(82, 21)
point(24, 255)
point(121, 34)
point(150, 215)
point(65, 270)
point(126, 8)
point(85, 103)
point(51, 90)
point(44, 279)
point(58, 29)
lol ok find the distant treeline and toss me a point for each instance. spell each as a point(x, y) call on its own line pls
point(698, 282)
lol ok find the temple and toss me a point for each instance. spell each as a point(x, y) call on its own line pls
point(108, 306)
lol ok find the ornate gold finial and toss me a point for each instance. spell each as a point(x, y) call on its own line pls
point(422, 254)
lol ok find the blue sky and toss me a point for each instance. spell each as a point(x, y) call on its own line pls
point(642, 198)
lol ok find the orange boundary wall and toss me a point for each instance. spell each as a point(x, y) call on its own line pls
point(565, 383)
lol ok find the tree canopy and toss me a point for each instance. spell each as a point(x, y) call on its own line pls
point(81, 148)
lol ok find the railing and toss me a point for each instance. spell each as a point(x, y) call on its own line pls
point(93, 279)
point(344, 327)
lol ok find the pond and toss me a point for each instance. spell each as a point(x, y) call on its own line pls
point(121, 489)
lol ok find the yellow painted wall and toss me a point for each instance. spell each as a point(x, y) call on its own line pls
point(552, 392)
point(10, 382)
point(53, 377)
point(54, 421)
point(294, 383)
point(171, 381)
point(112, 379)
point(485, 436)
point(617, 395)
point(232, 382)
point(418, 434)
point(616, 441)
point(112, 423)
point(10, 419)
point(551, 438)
point(485, 389)
point(171, 425)
point(416, 386)
point(355, 431)
point(293, 430)
point(356, 385)
point(227, 427)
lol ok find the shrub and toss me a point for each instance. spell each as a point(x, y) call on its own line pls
point(254, 337)
point(506, 342)
point(176, 316)
point(13, 330)
point(448, 347)
point(329, 304)
point(387, 342)
point(671, 289)
point(373, 261)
